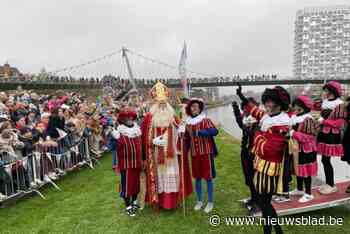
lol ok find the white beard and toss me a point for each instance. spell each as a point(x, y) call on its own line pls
point(162, 117)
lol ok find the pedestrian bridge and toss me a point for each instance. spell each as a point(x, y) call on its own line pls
point(197, 83)
point(141, 83)
point(46, 85)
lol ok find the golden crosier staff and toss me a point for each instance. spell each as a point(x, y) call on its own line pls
point(183, 173)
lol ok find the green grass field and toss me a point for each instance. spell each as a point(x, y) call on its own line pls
point(89, 203)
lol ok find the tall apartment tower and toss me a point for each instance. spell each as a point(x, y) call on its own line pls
point(322, 43)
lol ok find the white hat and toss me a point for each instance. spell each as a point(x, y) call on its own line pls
point(45, 115)
point(64, 106)
point(4, 116)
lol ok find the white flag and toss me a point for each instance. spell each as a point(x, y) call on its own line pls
point(182, 70)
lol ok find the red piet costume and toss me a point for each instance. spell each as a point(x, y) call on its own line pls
point(129, 153)
point(304, 132)
point(270, 148)
point(129, 158)
point(202, 147)
point(270, 144)
point(303, 147)
point(329, 139)
point(333, 119)
point(199, 133)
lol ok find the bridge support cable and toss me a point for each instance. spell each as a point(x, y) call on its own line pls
point(87, 63)
point(157, 64)
point(169, 66)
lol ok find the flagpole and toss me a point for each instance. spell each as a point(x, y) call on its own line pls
point(185, 87)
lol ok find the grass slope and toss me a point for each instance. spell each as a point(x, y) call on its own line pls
point(89, 203)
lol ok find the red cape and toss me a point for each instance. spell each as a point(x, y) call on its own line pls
point(152, 196)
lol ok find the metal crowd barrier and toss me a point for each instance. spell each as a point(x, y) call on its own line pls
point(21, 175)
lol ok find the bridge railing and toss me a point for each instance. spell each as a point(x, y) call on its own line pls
point(119, 83)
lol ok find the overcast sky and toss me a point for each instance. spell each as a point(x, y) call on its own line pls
point(223, 37)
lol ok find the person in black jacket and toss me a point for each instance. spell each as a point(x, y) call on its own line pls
point(346, 138)
point(55, 122)
point(248, 124)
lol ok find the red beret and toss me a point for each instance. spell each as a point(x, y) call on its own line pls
point(127, 114)
point(306, 100)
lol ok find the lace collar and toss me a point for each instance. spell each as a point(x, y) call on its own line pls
point(299, 119)
point(331, 104)
point(279, 120)
point(195, 120)
point(132, 132)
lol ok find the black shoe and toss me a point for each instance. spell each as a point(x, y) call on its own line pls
point(130, 211)
point(250, 203)
point(245, 202)
point(136, 207)
point(254, 211)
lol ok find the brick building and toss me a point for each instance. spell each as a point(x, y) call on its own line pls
point(6, 71)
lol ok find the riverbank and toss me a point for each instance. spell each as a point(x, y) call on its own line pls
point(223, 117)
point(216, 104)
point(89, 203)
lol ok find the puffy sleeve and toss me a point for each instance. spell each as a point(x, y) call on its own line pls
point(209, 130)
point(337, 117)
point(115, 134)
point(303, 137)
point(267, 145)
point(333, 123)
point(255, 111)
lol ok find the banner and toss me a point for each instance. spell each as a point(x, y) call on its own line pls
point(182, 70)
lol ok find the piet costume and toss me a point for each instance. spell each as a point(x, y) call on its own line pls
point(165, 183)
point(128, 145)
point(332, 120)
point(270, 144)
point(199, 142)
point(270, 147)
point(303, 146)
point(249, 125)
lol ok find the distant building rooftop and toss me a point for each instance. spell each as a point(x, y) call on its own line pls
point(323, 9)
point(6, 71)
